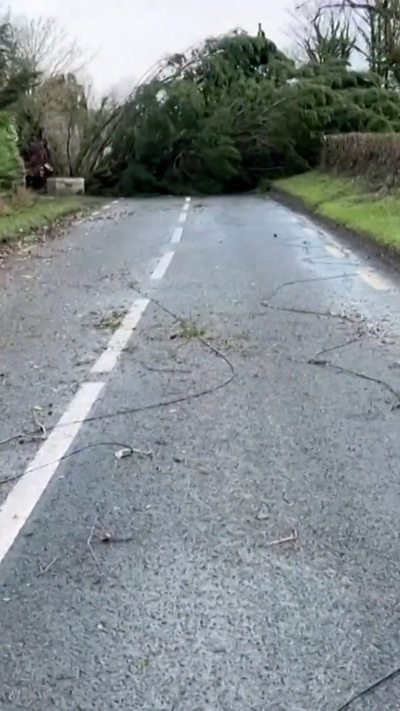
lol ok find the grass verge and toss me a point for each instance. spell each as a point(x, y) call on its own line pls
point(349, 204)
point(26, 214)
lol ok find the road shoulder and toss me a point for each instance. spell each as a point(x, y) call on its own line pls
point(323, 202)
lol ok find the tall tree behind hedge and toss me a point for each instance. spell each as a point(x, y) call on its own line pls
point(376, 26)
point(323, 33)
point(16, 77)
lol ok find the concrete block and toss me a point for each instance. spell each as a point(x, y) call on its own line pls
point(66, 186)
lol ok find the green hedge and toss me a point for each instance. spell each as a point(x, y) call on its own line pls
point(374, 157)
point(11, 164)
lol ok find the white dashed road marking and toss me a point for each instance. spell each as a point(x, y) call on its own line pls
point(26, 493)
point(162, 266)
point(177, 236)
point(108, 360)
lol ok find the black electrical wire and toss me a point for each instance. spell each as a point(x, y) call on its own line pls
point(133, 410)
point(152, 406)
point(369, 689)
point(192, 396)
point(295, 282)
point(66, 456)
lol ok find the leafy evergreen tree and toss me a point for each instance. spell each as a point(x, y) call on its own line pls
point(236, 111)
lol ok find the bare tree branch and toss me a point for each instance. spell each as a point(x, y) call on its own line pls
point(323, 35)
point(376, 24)
point(46, 46)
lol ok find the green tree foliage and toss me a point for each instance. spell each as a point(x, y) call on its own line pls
point(237, 111)
point(15, 80)
point(11, 166)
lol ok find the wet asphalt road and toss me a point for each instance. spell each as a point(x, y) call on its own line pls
point(252, 563)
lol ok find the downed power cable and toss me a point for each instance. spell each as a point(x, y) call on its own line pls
point(316, 360)
point(321, 362)
point(306, 312)
point(133, 410)
point(370, 689)
point(311, 280)
point(93, 445)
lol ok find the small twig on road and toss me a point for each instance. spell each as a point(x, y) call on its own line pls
point(307, 312)
point(280, 541)
point(38, 424)
point(89, 542)
point(109, 539)
point(173, 371)
point(106, 538)
point(45, 569)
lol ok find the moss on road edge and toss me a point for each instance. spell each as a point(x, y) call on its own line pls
point(349, 204)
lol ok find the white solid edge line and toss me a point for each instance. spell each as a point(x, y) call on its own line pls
point(162, 266)
point(182, 217)
point(177, 236)
point(28, 490)
point(334, 251)
point(108, 360)
point(374, 279)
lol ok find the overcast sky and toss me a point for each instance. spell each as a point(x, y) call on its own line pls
point(126, 37)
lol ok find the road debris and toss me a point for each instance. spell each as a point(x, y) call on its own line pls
point(130, 451)
point(43, 569)
point(188, 330)
point(263, 513)
point(342, 316)
point(280, 541)
point(38, 423)
point(112, 321)
point(109, 539)
point(123, 453)
point(89, 542)
point(171, 371)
